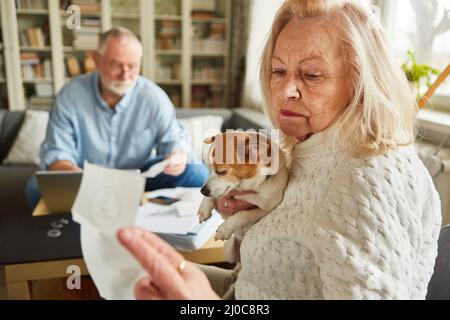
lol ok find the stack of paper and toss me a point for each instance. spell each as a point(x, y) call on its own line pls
point(178, 223)
point(197, 237)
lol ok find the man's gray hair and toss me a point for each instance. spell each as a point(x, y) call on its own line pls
point(116, 32)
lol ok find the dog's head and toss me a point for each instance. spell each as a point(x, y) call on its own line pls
point(237, 160)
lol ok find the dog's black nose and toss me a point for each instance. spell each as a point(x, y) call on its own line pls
point(205, 191)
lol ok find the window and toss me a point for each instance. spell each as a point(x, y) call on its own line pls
point(422, 26)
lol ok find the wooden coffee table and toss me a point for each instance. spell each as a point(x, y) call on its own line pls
point(20, 275)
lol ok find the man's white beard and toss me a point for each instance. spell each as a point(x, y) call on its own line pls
point(120, 88)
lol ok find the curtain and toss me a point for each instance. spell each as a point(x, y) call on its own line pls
point(240, 11)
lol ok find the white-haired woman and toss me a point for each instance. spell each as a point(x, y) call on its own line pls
point(360, 217)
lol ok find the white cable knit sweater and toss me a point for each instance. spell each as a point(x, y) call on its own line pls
point(346, 229)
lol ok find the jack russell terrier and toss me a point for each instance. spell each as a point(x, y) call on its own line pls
point(243, 161)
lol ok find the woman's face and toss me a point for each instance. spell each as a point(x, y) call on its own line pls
point(309, 84)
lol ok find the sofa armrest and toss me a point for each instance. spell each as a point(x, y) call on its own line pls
point(13, 180)
point(10, 123)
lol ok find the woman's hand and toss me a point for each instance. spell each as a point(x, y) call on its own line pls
point(162, 261)
point(228, 205)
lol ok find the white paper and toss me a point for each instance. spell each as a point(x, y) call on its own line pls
point(107, 201)
point(164, 222)
point(191, 199)
point(113, 269)
point(156, 169)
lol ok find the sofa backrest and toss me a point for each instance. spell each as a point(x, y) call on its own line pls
point(226, 114)
point(10, 122)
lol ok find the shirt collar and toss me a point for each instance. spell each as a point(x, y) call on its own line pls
point(121, 105)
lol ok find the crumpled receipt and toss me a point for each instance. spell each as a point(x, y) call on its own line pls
point(107, 201)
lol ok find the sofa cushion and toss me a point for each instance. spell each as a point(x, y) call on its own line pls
point(10, 123)
point(26, 146)
point(226, 114)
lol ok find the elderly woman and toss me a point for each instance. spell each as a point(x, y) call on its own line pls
point(360, 216)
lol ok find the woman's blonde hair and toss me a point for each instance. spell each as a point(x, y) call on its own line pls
point(382, 113)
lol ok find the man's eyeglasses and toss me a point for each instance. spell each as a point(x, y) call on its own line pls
point(117, 68)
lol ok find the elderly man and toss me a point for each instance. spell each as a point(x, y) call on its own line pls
point(114, 118)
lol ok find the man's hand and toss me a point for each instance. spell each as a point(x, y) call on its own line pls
point(177, 165)
point(165, 280)
point(228, 205)
point(63, 165)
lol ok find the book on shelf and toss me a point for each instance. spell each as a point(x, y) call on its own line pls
point(209, 37)
point(199, 94)
point(168, 44)
point(217, 31)
point(32, 4)
point(29, 58)
point(44, 90)
point(205, 5)
point(87, 6)
point(169, 29)
point(168, 70)
point(40, 103)
point(208, 73)
point(34, 67)
point(91, 22)
point(165, 7)
point(73, 66)
point(208, 45)
point(86, 38)
point(175, 97)
point(33, 37)
point(203, 14)
point(64, 4)
point(89, 63)
point(124, 6)
point(207, 96)
point(168, 35)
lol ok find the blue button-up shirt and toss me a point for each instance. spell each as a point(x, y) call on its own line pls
point(83, 127)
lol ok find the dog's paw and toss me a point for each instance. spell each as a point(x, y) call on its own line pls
point(223, 233)
point(203, 216)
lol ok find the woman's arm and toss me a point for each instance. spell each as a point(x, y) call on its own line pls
point(369, 233)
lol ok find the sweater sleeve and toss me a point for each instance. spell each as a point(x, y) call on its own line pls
point(370, 234)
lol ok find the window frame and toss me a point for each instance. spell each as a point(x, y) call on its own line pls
point(388, 8)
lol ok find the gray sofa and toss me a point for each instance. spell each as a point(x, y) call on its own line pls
point(13, 178)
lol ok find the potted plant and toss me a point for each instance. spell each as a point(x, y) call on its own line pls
point(416, 72)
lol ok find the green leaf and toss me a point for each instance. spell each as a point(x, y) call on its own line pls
point(416, 72)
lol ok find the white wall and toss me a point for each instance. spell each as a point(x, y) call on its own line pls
point(262, 13)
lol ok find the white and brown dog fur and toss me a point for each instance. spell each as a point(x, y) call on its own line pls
point(243, 161)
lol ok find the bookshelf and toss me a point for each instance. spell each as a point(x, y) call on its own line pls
point(186, 47)
point(168, 48)
point(79, 44)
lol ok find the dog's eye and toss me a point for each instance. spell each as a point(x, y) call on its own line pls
point(221, 173)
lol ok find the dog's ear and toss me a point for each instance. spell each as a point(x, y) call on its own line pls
point(209, 140)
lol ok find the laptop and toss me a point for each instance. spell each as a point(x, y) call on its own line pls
point(59, 189)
